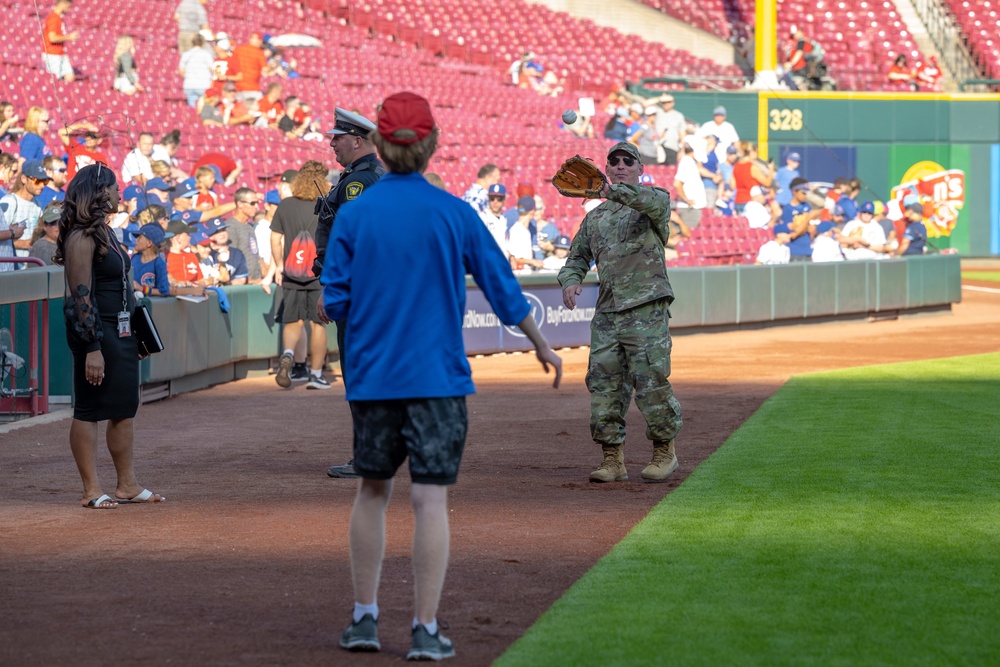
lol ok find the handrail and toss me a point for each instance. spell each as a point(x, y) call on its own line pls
point(978, 82)
point(946, 35)
point(38, 402)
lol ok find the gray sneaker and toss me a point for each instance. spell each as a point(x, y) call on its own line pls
point(361, 636)
point(345, 471)
point(426, 646)
point(283, 378)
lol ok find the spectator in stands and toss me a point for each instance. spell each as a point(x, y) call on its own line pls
point(616, 128)
point(723, 130)
point(678, 232)
point(149, 268)
point(32, 145)
point(183, 203)
point(901, 73)
point(166, 151)
point(288, 124)
point(691, 200)
point(543, 232)
point(711, 177)
point(11, 233)
point(293, 250)
point(191, 17)
point(511, 214)
point(914, 238)
point(848, 201)
point(783, 179)
point(748, 172)
point(9, 170)
point(253, 64)
point(228, 170)
point(230, 263)
point(642, 134)
point(670, 127)
point(83, 154)
point(805, 59)
point(519, 247)
point(863, 238)
point(136, 167)
point(241, 231)
point(518, 65)
point(54, 40)
point(225, 69)
point(833, 195)
point(126, 74)
point(826, 247)
point(493, 216)
point(560, 252)
point(776, 251)
point(9, 131)
point(183, 266)
point(196, 70)
point(270, 107)
point(928, 75)
point(759, 213)
point(800, 217)
point(204, 181)
point(582, 128)
point(232, 110)
point(18, 206)
point(54, 187)
point(262, 233)
point(882, 218)
point(43, 239)
point(477, 195)
point(161, 171)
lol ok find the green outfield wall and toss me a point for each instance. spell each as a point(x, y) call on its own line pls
point(943, 147)
point(206, 346)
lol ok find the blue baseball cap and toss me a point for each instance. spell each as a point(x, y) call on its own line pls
point(185, 189)
point(910, 199)
point(562, 242)
point(719, 111)
point(497, 190)
point(145, 201)
point(272, 197)
point(158, 184)
point(214, 225)
point(189, 218)
point(154, 233)
point(839, 210)
point(824, 227)
point(525, 204)
point(132, 192)
point(782, 229)
point(200, 238)
point(867, 207)
point(795, 157)
point(34, 169)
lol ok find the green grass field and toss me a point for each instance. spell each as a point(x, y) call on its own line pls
point(853, 520)
point(990, 276)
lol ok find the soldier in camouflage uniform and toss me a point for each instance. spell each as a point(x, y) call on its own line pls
point(630, 335)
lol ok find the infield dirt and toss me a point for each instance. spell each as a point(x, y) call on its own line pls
point(247, 562)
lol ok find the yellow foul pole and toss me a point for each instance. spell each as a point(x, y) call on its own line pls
point(766, 58)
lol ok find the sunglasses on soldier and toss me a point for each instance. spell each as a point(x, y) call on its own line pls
point(629, 161)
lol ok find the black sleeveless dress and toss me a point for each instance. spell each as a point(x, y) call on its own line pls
point(92, 324)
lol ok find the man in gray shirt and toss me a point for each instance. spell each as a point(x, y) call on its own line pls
point(241, 232)
point(191, 17)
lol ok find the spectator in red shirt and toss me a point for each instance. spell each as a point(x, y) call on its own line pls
point(54, 38)
point(901, 73)
point(253, 64)
point(229, 170)
point(81, 155)
point(927, 75)
point(204, 180)
point(270, 107)
point(225, 68)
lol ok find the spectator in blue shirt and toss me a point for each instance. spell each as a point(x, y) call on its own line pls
point(32, 146)
point(800, 216)
point(783, 179)
point(230, 262)
point(149, 269)
point(849, 199)
point(914, 238)
point(54, 189)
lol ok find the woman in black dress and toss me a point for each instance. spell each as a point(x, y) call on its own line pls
point(98, 307)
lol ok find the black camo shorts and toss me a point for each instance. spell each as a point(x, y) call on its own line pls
point(430, 431)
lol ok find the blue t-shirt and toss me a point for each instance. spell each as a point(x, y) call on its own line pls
point(617, 132)
point(849, 206)
point(801, 246)
point(151, 274)
point(48, 195)
point(415, 242)
point(783, 179)
point(712, 164)
point(917, 233)
point(32, 147)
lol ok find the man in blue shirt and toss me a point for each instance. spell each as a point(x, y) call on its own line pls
point(915, 236)
point(800, 218)
point(783, 179)
point(54, 190)
point(408, 384)
point(848, 201)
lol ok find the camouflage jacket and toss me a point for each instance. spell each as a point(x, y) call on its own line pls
point(625, 235)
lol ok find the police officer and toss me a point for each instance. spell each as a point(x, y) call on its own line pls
point(356, 154)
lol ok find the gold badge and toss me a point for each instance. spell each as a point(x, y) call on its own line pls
point(354, 190)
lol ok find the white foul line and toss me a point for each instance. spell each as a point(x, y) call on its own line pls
point(990, 290)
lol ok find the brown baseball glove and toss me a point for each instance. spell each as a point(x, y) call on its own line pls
point(578, 177)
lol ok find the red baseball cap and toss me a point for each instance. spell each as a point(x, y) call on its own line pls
point(405, 111)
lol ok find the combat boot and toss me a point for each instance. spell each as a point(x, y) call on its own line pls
point(664, 462)
point(612, 468)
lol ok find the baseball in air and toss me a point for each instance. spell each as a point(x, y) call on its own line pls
point(569, 117)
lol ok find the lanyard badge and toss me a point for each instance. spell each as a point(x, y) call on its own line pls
point(124, 324)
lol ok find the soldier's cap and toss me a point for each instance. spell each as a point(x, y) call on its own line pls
point(562, 242)
point(289, 175)
point(346, 122)
point(624, 147)
point(405, 118)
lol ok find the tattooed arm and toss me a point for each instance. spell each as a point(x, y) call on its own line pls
point(80, 306)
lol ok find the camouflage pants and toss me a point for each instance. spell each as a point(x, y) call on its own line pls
point(631, 349)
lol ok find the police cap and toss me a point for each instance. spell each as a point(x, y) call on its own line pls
point(351, 123)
